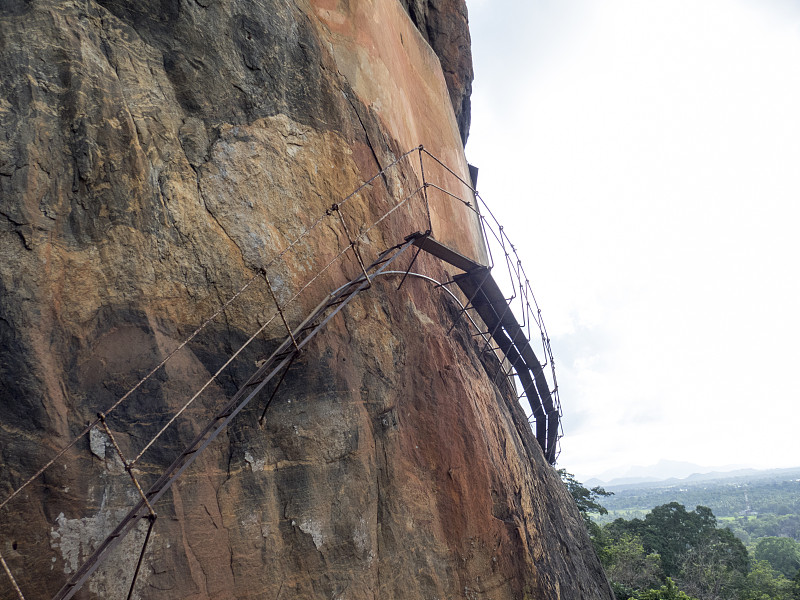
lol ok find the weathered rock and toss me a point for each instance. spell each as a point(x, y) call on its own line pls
point(444, 25)
point(154, 156)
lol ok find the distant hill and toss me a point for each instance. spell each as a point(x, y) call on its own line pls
point(674, 472)
point(727, 493)
point(740, 476)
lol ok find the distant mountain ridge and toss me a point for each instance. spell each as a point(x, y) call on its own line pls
point(684, 472)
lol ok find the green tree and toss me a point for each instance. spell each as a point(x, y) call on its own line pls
point(585, 498)
point(765, 583)
point(715, 566)
point(669, 591)
point(629, 566)
point(796, 587)
point(782, 553)
point(707, 562)
point(670, 531)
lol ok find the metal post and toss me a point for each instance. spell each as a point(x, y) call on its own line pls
point(280, 310)
point(125, 463)
point(353, 243)
point(408, 270)
point(11, 577)
point(263, 416)
point(152, 520)
point(425, 190)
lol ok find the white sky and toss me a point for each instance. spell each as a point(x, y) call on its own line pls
point(645, 157)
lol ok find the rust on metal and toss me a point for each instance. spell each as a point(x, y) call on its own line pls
point(490, 304)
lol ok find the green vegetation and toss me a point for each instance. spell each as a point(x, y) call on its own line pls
point(587, 501)
point(668, 591)
point(667, 552)
point(774, 493)
point(782, 554)
point(752, 507)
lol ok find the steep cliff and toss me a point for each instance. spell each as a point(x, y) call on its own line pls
point(155, 155)
point(444, 25)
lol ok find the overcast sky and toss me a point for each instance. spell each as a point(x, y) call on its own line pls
point(645, 156)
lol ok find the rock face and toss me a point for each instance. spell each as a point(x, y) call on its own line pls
point(444, 25)
point(155, 154)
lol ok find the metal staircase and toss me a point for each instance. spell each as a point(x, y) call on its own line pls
point(496, 322)
point(277, 362)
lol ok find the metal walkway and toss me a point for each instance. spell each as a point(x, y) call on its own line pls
point(497, 324)
point(485, 296)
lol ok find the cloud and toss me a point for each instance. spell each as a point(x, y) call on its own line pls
point(644, 155)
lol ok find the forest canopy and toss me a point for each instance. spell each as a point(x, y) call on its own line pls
point(671, 553)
